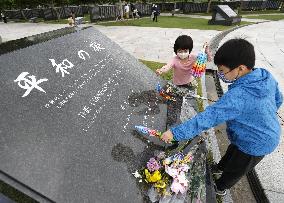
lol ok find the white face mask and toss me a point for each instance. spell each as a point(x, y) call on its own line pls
point(183, 55)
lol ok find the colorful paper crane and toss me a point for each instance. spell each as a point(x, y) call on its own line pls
point(199, 67)
point(147, 131)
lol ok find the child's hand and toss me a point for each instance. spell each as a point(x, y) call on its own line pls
point(159, 72)
point(205, 45)
point(167, 136)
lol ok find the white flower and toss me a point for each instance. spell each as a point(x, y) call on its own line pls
point(136, 174)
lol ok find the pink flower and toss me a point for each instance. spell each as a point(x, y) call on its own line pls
point(171, 171)
point(183, 168)
point(176, 187)
point(182, 180)
point(180, 184)
point(153, 165)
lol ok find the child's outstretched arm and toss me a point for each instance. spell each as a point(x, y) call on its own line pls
point(165, 68)
point(226, 108)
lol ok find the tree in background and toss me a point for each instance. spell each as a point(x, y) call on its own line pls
point(6, 4)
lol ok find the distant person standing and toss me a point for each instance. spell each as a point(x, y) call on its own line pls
point(136, 13)
point(155, 13)
point(4, 17)
point(132, 7)
point(126, 11)
point(152, 11)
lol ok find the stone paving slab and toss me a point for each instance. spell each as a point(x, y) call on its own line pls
point(12, 31)
point(154, 44)
point(274, 196)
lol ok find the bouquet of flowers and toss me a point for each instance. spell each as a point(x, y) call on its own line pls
point(173, 176)
point(168, 177)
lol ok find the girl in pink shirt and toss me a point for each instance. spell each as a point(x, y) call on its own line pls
point(183, 61)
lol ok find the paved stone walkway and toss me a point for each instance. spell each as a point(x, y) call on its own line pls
point(151, 43)
point(12, 31)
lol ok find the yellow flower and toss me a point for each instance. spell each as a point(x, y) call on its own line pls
point(160, 184)
point(154, 177)
point(187, 158)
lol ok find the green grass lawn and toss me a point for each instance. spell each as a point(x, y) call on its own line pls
point(156, 65)
point(267, 17)
point(199, 14)
point(87, 18)
point(171, 22)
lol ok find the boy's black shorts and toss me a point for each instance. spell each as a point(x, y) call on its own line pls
point(234, 165)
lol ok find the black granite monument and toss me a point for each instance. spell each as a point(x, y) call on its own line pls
point(68, 108)
point(224, 15)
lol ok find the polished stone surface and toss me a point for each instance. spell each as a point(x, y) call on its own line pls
point(68, 108)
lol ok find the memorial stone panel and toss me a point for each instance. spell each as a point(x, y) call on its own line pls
point(28, 13)
point(144, 9)
point(67, 12)
point(13, 14)
point(224, 15)
point(61, 12)
point(85, 9)
point(68, 107)
point(37, 13)
point(49, 14)
point(77, 10)
point(94, 13)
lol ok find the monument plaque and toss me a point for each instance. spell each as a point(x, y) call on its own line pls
point(68, 110)
point(224, 15)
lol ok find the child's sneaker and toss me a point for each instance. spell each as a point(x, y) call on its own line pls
point(215, 170)
point(220, 192)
